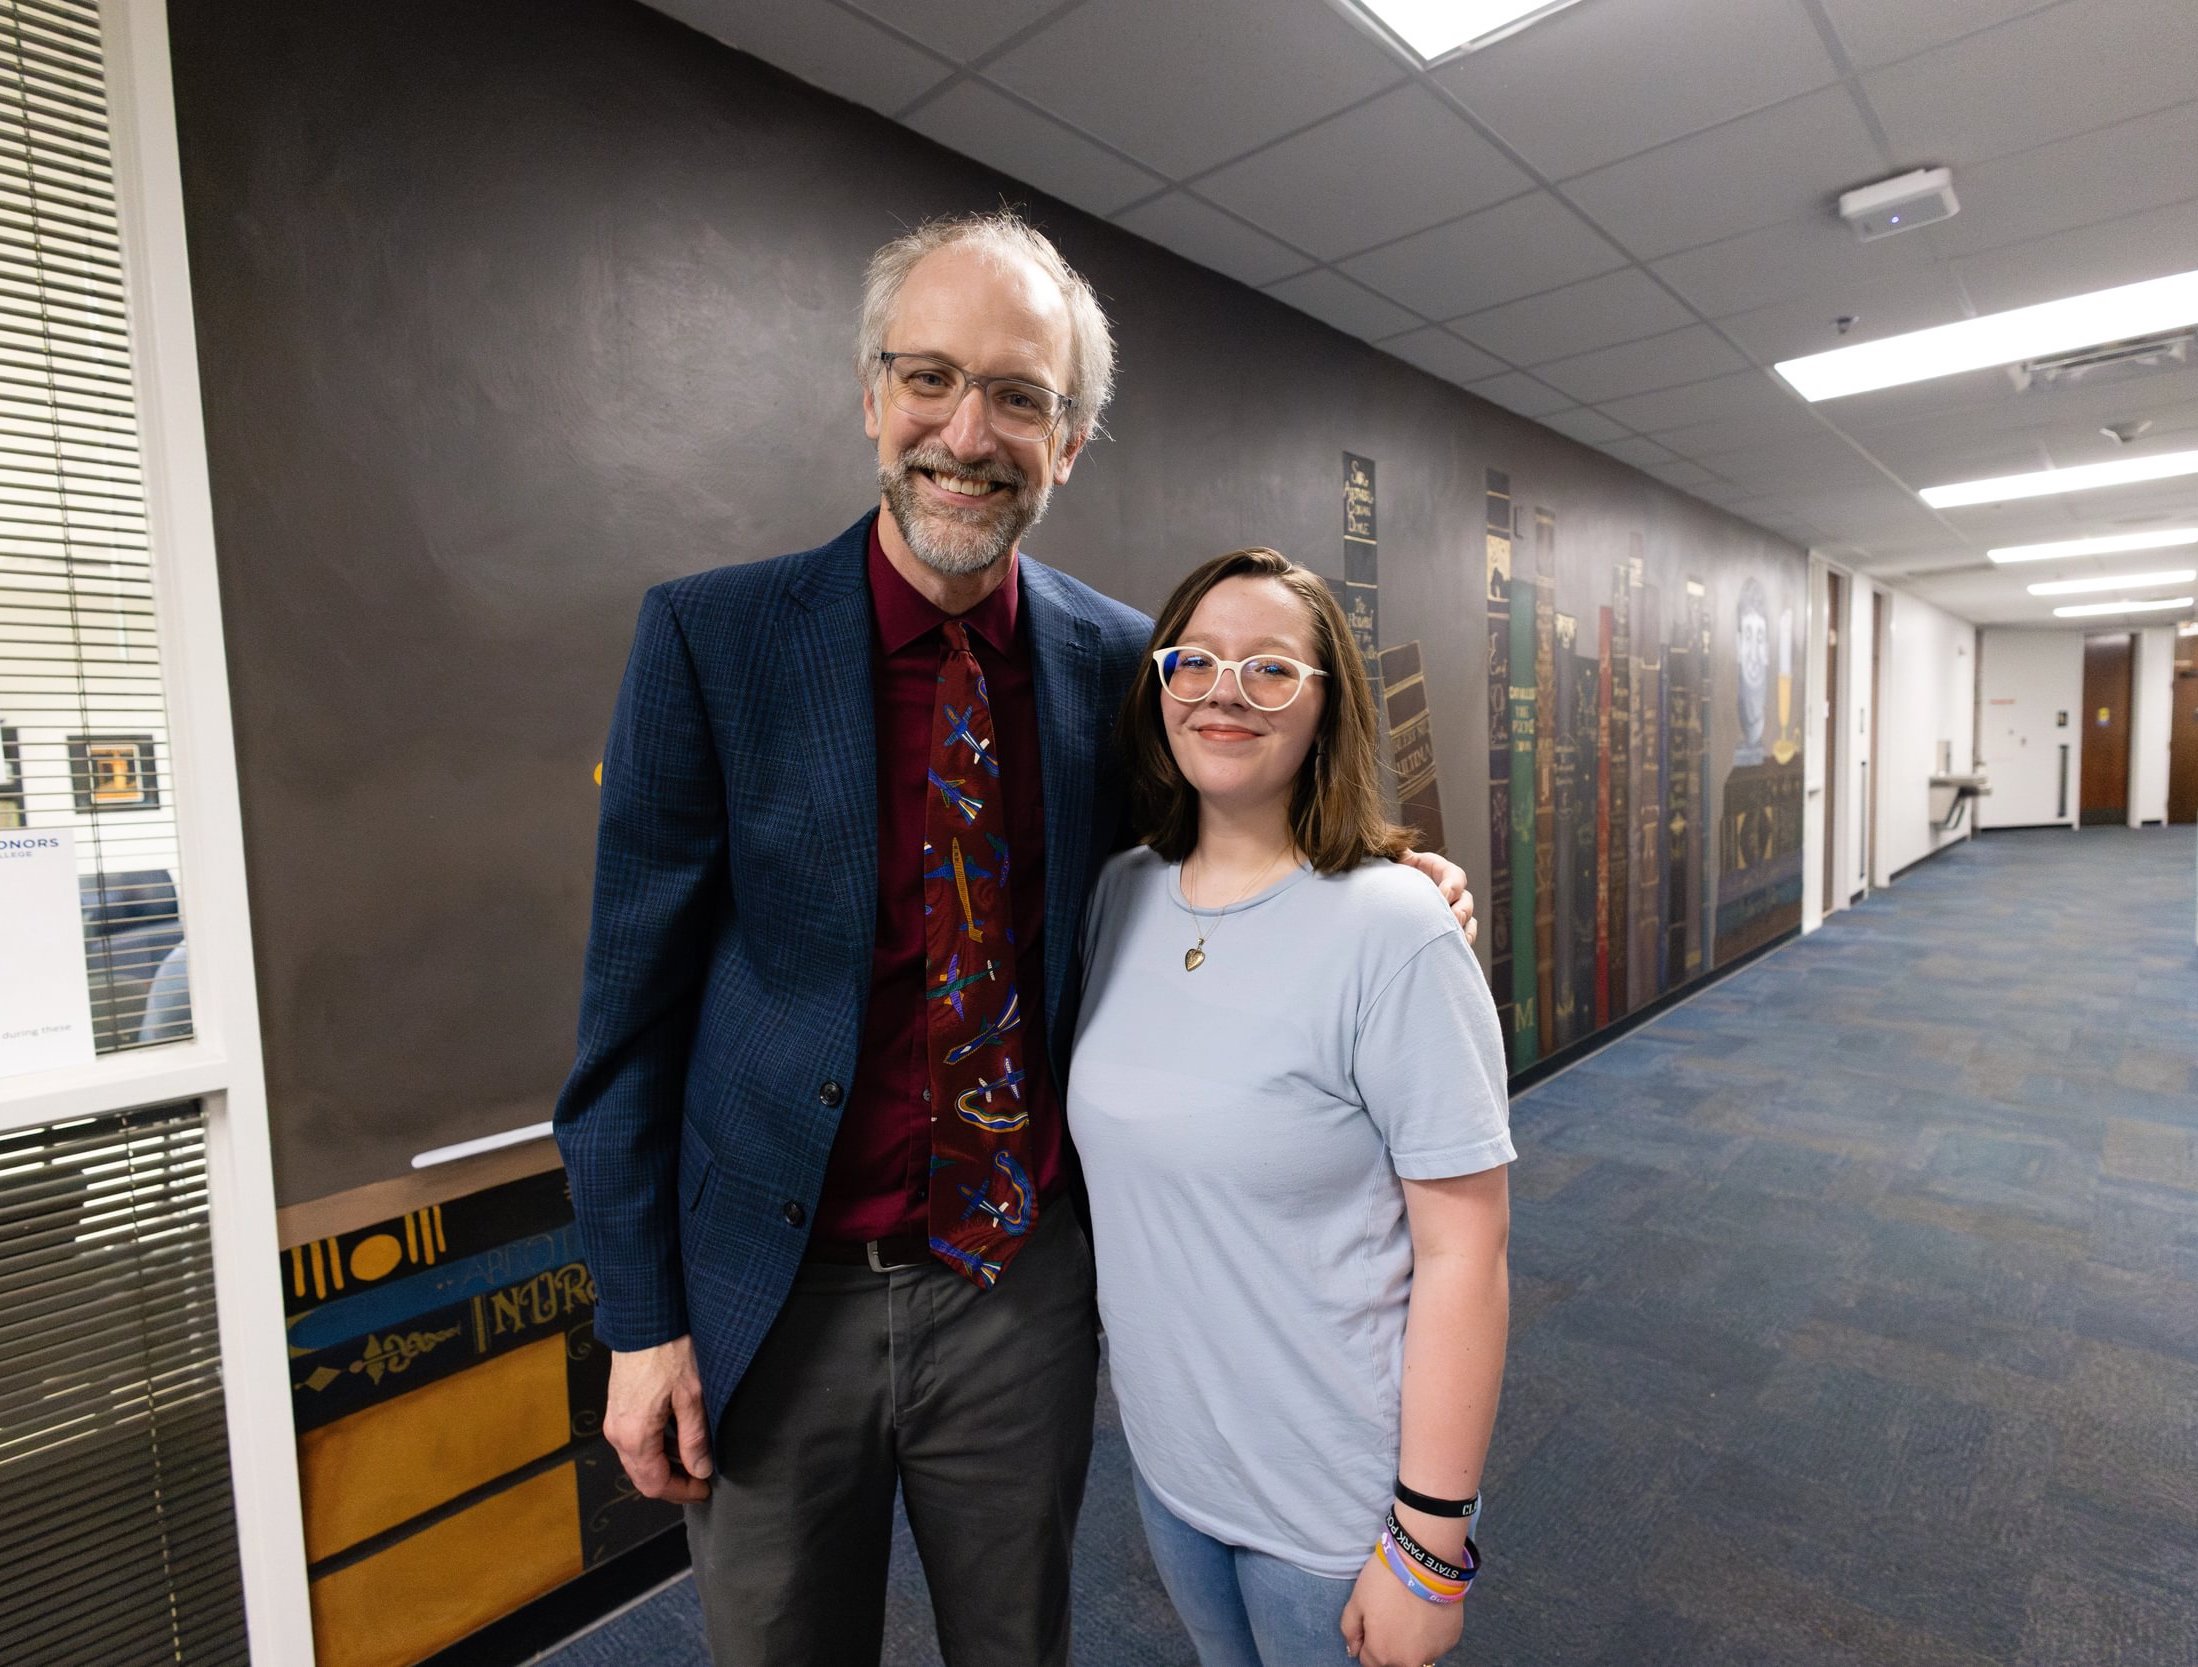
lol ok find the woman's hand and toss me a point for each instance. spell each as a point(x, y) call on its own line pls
point(1386, 1626)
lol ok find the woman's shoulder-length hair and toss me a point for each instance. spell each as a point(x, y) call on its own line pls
point(1338, 814)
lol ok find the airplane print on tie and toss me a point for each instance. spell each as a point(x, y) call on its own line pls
point(982, 1204)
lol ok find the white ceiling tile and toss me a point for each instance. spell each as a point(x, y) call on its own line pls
point(1986, 403)
point(962, 29)
point(2123, 251)
point(1932, 454)
point(1688, 477)
point(1529, 244)
point(2067, 69)
point(1784, 263)
point(823, 45)
point(1439, 353)
point(1877, 32)
point(1866, 512)
point(1334, 299)
point(1750, 396)
point(1693, 354)
point(1773, 166)
point(1618, 307)
point(1588, 427)
point(1708, 441)
point(1637, 451)
point(1786, 467)
point(1202, 233)
point(1518, 392)
point(1889, 306)
point(1598, 82)
point(1183, 87)
point(972, 118)
point(1390, 167)
point(2077, 182)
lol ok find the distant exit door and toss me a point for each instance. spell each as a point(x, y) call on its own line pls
point(2108, 663)
point(2182, 755)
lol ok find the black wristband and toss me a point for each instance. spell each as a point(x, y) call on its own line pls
point(1436, 1507)
point(1428, 1560)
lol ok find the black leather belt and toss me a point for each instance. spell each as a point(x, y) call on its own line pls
point(904, 1250)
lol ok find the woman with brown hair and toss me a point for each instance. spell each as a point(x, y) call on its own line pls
point(1288, 1097)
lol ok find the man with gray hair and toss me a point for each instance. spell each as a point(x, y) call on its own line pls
point(853, 804)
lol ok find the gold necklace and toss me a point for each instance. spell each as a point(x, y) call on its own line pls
point(1195, 956)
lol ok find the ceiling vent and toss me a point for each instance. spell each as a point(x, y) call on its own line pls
point(2110, 362)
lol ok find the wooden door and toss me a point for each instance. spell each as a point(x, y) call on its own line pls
point(2108, 663)
point(2182, 742)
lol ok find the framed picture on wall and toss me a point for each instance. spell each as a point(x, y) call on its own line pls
point(11, 779)
point(113, 772)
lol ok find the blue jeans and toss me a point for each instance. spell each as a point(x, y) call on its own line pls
point(1244, 1608)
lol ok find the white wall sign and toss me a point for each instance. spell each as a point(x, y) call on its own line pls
point(45, 993)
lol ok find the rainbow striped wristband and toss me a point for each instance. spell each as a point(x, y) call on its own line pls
point(1419, 1581)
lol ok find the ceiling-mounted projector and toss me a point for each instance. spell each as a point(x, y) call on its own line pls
point(1921, 198)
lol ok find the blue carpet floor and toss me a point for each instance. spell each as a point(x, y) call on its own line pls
point(1855, 1311)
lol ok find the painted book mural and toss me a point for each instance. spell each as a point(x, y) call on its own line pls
point(1648, 827)
point(1643, 793)
point(448, 1391)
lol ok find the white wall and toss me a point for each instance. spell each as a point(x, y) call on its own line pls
point(2032, 679)
point(1814, 830)
point(1855, 698)
point(2152, 696)
point(1928, 689)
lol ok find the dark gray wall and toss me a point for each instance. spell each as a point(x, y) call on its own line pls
point(509, 310)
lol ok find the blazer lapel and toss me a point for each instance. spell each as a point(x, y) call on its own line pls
point(827, 713)
point(1064, 676)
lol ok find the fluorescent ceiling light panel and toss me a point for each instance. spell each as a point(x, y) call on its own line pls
point(2085, 477)
point(2106, 315)
point(2127, 581)
point(1432, 28)
point(2114, 544)
point(2084, 610)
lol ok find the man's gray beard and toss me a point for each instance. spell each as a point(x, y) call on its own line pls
point(954, 541)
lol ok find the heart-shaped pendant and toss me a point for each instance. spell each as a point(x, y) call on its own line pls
point(1193, 959)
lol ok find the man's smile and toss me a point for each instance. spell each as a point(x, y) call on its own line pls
point(959, 488)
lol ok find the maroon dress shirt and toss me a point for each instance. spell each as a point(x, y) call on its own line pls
point(875, 1185)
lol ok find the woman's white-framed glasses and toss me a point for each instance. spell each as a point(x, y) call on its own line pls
point(1268, 681)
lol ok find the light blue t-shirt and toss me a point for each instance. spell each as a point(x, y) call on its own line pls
point(1243, 1129)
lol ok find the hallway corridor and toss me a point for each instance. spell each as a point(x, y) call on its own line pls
point(1855, 1309)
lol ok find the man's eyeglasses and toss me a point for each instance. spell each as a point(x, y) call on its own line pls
point(1268, 681)
point(932, 388)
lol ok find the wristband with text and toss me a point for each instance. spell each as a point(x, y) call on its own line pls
point(1436, 1507)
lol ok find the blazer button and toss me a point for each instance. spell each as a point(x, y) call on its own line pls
point(795, 1215)
point(829, 1094)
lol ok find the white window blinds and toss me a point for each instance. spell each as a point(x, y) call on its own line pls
point(118, 1540)
point(83, 729)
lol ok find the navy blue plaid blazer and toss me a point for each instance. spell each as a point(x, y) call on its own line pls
point(735, 909)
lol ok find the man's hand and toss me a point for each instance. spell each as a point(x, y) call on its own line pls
point(1449, 879)
point(656, 1394)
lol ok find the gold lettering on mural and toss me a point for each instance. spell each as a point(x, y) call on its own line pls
point(542, 1300)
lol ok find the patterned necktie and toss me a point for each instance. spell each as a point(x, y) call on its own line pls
point(981, 1199)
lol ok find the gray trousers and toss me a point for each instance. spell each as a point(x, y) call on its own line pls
point(979, 1403)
